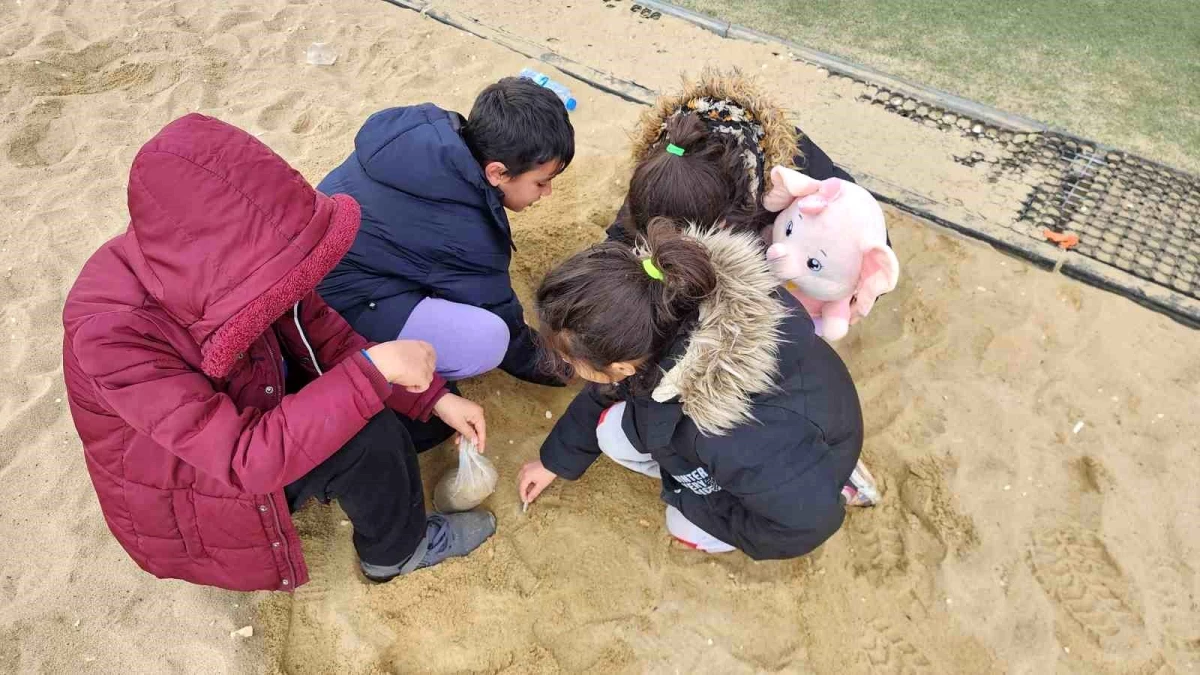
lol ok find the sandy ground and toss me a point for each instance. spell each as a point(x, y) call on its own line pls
point(1006, 543)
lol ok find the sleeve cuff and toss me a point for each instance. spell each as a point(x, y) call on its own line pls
point(380, 384)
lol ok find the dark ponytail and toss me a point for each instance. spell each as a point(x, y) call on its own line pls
point(602, 306)
point(707, 185)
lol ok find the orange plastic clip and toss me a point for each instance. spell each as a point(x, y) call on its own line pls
point(1065, 240)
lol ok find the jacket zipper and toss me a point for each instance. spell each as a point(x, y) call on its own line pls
point(287, 553)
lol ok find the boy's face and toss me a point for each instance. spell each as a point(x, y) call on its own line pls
point(523, 189)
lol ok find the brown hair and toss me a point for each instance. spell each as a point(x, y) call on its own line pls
point(602, 307)
point(707, 186)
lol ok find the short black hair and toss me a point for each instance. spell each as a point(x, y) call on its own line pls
point(521, 125)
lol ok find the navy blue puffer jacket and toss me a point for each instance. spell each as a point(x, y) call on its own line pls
point(432, 226)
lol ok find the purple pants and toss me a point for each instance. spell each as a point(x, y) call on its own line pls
point(469, 341)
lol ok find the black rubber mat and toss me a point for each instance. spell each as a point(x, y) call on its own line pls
point(1128, 212)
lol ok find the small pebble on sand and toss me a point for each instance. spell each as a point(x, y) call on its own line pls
point(344, 523)
point(244, 632)
point(1007, 488)
point(1078, 428)
point(549, 415)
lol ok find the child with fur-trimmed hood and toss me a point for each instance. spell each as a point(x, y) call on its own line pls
point(709, 378)
point(704, 156)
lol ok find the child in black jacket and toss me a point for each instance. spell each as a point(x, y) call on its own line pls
point(708, 376)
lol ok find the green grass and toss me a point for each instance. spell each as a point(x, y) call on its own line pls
point(1122, 72)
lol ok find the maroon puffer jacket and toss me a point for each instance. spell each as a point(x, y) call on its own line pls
point(173, 358)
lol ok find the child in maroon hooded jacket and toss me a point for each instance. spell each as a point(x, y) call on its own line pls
point(215, 392)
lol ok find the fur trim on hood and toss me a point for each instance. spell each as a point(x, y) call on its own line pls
point(779, 141)
point(732, 353)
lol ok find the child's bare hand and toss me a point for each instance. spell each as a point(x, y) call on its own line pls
point(533, 479)
point(405, 363)
point(465, 417)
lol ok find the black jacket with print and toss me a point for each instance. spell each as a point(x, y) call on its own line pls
point(756, 424)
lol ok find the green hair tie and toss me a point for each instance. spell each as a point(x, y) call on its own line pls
point(674, 149)
point(652, 271)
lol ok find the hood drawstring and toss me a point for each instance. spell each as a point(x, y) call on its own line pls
point(304, 339)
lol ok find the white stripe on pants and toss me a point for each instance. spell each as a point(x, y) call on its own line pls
point(616, 445)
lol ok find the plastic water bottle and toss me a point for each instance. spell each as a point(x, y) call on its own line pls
point(544, 80)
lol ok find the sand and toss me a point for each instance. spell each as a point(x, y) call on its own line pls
point(1006, 542)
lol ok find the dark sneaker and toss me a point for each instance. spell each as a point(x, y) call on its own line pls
point(451, 535)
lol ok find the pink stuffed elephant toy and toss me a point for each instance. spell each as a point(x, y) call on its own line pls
point(830, 247)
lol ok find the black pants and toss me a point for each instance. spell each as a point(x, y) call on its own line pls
point(376, 480)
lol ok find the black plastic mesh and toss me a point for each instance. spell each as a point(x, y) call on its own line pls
point(1130, 213)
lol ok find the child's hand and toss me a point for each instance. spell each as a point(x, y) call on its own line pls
point(406, 363)
point(463, 416)
point(534, 478)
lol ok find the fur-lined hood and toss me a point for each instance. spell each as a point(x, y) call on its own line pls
point(732, 353)
point(779, 136)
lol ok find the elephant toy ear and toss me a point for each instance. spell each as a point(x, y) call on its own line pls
point(879, 275)
point(787, 185)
